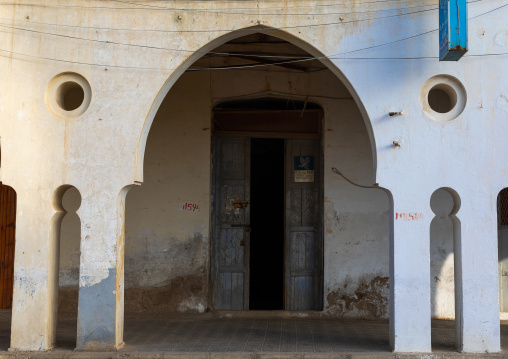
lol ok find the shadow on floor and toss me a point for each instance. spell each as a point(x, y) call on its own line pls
point(209, 333)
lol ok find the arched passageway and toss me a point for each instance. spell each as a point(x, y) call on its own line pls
point(170, 219)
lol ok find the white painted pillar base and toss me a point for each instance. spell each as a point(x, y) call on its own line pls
point(477, 286)
point(410, 309)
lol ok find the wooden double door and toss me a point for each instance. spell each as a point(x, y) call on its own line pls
point(236, 200)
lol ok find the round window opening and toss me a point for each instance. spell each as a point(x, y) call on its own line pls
point(443, 97)
point(68, 95)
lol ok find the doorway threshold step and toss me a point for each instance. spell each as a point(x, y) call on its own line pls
point(270, 314)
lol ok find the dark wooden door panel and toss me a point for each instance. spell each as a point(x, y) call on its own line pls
point(231, 249)
point(302, 293)
point(7, 241)
point(303, 245)
point(231, 192)
point(303, 207)
point(231, 221)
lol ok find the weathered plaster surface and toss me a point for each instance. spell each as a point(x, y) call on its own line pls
point(96, 314)
point(102, 151)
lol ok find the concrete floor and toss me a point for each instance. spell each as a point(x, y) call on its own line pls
point(212, 335)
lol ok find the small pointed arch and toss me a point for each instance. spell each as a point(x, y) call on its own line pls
point(184, 66)
point(64, 254)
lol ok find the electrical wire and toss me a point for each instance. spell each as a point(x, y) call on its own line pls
point(159, 8)
point(229, 12)
point(157, 47)
point(239, 67)
point(334, 56)
point(336, 171)
point(251, 30)
point(284, 14)
point(149, 47)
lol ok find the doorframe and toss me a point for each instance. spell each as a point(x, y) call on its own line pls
point(213, 213)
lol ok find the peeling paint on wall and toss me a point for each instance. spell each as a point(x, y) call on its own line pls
point(183, 294)
point(367, 299)
point(96, 325)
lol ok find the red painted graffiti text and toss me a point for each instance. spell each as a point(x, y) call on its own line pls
point(408, 216)
point(189, 207)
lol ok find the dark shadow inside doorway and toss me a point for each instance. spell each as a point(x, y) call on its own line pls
point(267, 223)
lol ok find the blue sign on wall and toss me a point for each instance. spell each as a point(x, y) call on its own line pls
point(304, 168)
point(452, 29)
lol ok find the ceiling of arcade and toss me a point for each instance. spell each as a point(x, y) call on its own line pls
point(258, 52)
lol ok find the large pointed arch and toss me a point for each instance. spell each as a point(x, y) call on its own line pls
point(222, 40)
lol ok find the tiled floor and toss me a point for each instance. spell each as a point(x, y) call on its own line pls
point(212, 333)
point(256, 335)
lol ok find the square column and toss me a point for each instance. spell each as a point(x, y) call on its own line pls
point(476, 274)
point(101, 284)
point(35, 296)
point(410, 308)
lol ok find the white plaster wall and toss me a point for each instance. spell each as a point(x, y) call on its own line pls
point(101, 152)
point(167, 249)
point(356, 220)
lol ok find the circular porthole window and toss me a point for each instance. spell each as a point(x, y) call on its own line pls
point(68, 95)
point(443, 97)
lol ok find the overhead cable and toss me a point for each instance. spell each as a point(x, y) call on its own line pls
point(334, 56)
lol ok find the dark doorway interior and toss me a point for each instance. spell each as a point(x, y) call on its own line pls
point(267, 223)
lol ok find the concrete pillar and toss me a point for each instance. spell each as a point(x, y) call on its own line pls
point(101, 284)
point(35, 296)
point(476, 273)
point(410, 309)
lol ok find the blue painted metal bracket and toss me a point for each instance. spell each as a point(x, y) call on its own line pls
point(452, 29)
